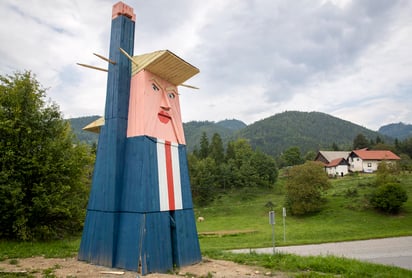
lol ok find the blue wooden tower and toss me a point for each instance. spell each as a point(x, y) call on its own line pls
point(140, 214)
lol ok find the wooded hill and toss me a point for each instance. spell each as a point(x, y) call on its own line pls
point(77, 127)
point(400, 130)
point(273, 135)
point(307, 130)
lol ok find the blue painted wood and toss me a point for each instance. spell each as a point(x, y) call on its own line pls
point(144, 242)
point(140, 188)
point(129, 243)
point(186, 249)
point(108, 173)
point(185, 179)
point(157, 245)
point(97, 240)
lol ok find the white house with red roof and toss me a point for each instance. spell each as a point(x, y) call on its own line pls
point(335, 162)
point(367, 161)
point(337, 167)
point(338, 163)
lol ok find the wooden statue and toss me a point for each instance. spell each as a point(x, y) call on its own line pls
point(140, 213)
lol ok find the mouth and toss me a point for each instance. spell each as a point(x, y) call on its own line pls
point(164, 117)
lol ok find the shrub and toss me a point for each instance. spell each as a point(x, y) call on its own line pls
point(389, 198)
point(387, 173)
point(351, 192)
point(305, 187)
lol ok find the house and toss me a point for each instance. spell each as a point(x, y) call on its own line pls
point(337, 167)
point(363, 160)
point(367, 161)
point(335, 163)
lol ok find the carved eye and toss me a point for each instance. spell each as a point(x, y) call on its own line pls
point(155, 88)
point(171, 95)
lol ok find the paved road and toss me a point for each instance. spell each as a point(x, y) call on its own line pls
point(390, 251)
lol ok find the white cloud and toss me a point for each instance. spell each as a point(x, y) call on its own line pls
point(347, 58)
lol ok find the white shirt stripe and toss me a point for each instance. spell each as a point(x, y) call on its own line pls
point(162, 174)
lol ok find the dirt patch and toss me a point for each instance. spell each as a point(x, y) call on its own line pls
point(228, 232)
point(71, 267)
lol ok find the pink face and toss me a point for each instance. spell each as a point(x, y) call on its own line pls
point(154, 108)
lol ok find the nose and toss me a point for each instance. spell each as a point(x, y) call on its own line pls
point(164, 103)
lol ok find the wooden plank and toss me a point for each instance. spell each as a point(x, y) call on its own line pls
point(189, 86)
point(105, 59)
point(112, 272)
point(92, 67)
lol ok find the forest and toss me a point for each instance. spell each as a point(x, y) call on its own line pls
point(46, 169)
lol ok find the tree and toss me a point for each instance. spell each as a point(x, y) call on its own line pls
point(203, 179)
point(230, 151)
point(216, 150)
point(44, 173)
point(265, 167)
point(405, 163)
point(335, 147)
point(204, 146)
point(242, 168)
point(305, 187)
point(404, 146)
point(292, 156)
point(360, 142)
point(310, 155)
point(379, 140)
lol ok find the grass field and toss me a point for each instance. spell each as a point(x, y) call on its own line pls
point(239, 219)
point(346, 216)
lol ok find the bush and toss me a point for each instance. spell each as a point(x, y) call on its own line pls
point(389, 198)
point(305, 187)
point(351, 192)
point(387, 173)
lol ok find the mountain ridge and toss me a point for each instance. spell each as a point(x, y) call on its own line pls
point(310, 131)
point(397, 130)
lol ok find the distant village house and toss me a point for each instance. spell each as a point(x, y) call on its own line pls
point(363, 160)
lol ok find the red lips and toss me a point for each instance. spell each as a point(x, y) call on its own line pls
point(164, 117)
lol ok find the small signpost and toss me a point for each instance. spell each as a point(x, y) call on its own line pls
point(284, 223)
point(272, 222)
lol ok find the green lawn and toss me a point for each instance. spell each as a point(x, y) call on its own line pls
point(346, 216)
point(51, 249)
point(240, 220)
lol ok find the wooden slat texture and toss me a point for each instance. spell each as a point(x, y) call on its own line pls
point(166, 65)
point(100, 234)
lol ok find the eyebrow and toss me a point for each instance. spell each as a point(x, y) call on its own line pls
point(168, 89)
point(156, 83)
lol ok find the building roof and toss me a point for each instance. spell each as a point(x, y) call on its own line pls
point(332, 155)
point(375, 155)
point(336, 162)
point(166, 65)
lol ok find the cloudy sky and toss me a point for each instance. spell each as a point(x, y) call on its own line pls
point(350, 59)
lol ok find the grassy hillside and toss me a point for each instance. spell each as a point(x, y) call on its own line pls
point(240, 219)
